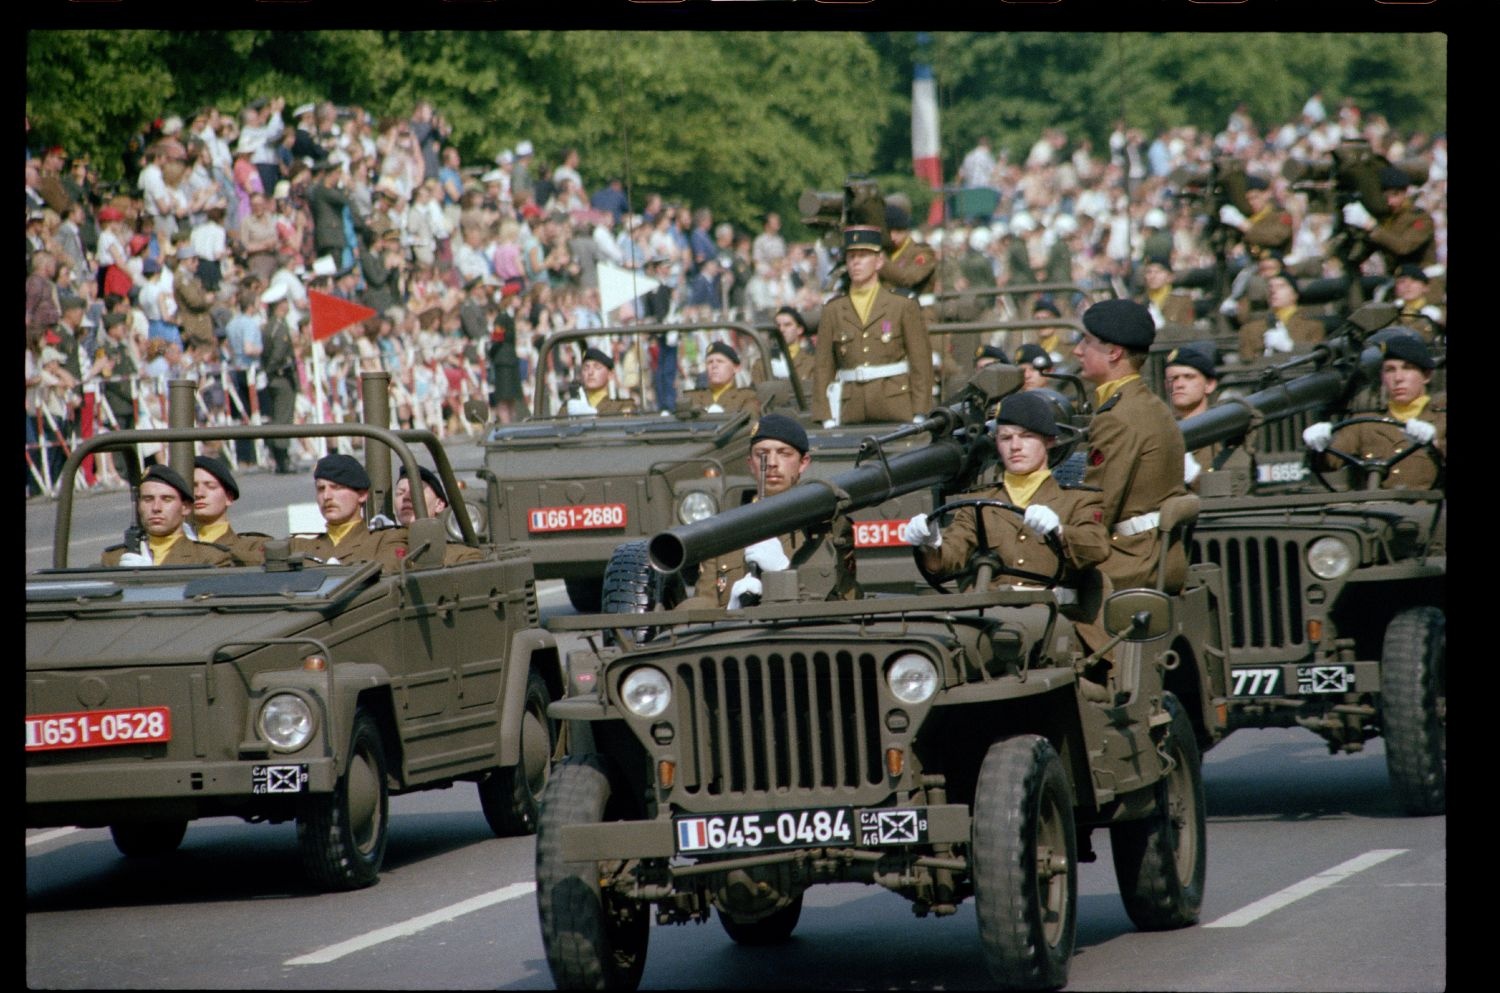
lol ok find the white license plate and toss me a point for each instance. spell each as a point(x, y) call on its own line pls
point(776, 829)
point(582, 517)
point(94, 728)
point(879, 534)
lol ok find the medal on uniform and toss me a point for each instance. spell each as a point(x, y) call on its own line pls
point(885, 332)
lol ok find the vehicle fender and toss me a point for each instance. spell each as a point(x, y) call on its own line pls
point(530, 649)
point(338, 693)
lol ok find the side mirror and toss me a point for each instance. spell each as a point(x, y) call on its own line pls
point(1138, 615)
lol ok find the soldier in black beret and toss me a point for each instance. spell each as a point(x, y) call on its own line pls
point(988, 355)
point(599, 393)
point(343, 487)
point(1268, 227)
point(874, 358)
point(1419, 309)
point(161, 509)
point(214, 489)
point(910, 266)
point(721, 396)
point(1191, 379)
point(1035, 363)
point(436, 499)
point(1165, 305)
point(1286, 327)
point(1404, 235)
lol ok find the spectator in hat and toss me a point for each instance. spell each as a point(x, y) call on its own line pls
point(873, 349)
point(214, 490)
point(1404, 235)
point(598, 393)
point(1051, 339)
point(1136, 456)
point(823, 554)
point(1165, 306)
point(1421, 419)
point(1025, 430)
point(987, 355)
point(119, 366)
point(161, 509)
point(910, 266)
point(1418, 311)
point(112, 255)
point(1286, 328)
point(1191, 379)
point(1268, 228)
point(436, 499)
point(721, 395)
point(343, 489)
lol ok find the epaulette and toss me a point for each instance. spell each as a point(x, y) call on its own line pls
point(1109, 403)
point(1080, 486)
point(254, 534)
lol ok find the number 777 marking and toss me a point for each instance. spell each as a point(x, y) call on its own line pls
point(1255, 682)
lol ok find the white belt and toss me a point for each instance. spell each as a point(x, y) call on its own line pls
point(1139, 524)
point(865, 373)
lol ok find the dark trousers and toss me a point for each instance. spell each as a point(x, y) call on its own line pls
point(283, 404)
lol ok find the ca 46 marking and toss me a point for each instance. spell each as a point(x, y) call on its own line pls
point(1255, 682)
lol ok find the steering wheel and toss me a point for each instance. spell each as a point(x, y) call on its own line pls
point(1380, 468)
point(984, 555)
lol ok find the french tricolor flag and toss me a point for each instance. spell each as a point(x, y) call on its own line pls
point(926, 155)
point(692, 834)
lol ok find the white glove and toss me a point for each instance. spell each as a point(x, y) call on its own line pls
point(672, 337)
point(1420, 432)
point(379, 522)
point(831, 423)
point(1190, 468)
point(1277, 340)
point(579, 407)
point(767, 555)
point(1356, 216)
point(921, 533)
point(1317, 436)
point(713, 408)
point(1229, 307)
point(135, 559)
point(1042, 519)
point(332, 560)
point(747, 584)
point(1432, 313)
point(1230, 214)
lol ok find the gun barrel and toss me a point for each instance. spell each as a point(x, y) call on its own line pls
point(1231, 420)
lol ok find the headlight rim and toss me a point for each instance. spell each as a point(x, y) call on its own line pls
point(1317, 553)
point(310, 712)
point(685, 516)
point(664, 693)
point(932, 678)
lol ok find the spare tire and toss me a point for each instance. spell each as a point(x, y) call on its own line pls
point(631, 586)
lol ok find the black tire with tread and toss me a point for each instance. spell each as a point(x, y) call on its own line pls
point(1161, 860)
point(593, 940)
point(772, 929)
point(1413, 681)
point(337, 853)
point(1023, 814)
point(512, 797)
point(585, 594)
point(631, 586)
point(146, 839)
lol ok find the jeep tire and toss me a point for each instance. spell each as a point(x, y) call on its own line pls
point(511, 797)
point(584, 594)
point(343, 835)
point(1413, 705)
point(772, 929)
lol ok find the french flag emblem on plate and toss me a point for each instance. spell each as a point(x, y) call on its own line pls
point(692, 834)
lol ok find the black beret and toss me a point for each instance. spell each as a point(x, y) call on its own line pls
point(1045, 304)
point(113, 320)
point(430, 478)
point(342, 469)
point(1412, 271)
point(1121, 322)
point(1161, 260)
point(1253, 182)
point(1394, 178)
point(795, 315)
point(862, 238)
point(897, 217)
point(1285, 274)
point(597, 355)
point(1030, 411)
point(1194, 357)
point(779, 427)
point(726, 350)
point(992, 352)
point(1408, 347)
point(159, 473)
point(1033, 355)
point(219, 469)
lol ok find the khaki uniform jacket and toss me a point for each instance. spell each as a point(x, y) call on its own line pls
point(1136, 460)
point(386, 546)
point(612, 406)
point(895, 331)
point(247, 549)
point(1419, 470)
point(454, 552)
point(194, 309)
point(733, 400)
point(1426, 319)
point(823, 566)
point(1085, 540)
point(913, 270)
point(1177, 308)
point(1405, 237)
point(184, 551)
point(1269, 231)
point(1305, 331)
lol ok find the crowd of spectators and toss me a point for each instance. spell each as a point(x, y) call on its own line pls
point(174, 272)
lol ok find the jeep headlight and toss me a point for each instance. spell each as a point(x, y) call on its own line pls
point(286, 721)
point(912, 678)
point(646, 692)
point(695, 506)
point(1329, 558)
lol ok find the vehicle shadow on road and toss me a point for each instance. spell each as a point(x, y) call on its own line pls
point(1292, 779)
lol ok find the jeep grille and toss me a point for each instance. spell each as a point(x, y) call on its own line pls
point(781, 725)
point(1263, 582)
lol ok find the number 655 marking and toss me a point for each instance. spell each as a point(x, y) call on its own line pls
point(1255, 682)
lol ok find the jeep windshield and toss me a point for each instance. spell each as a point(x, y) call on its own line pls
point(107, 589)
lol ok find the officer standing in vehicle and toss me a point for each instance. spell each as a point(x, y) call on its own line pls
point(1191, 380)
point(343, 486)
point(1136, 456)
point(1406, 234)
point(214, 489)
point(873, 349)
point(161, 510)
point(722, 396)
point(726, 580)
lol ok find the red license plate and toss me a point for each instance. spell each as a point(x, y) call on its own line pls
point(879, 534)
point(94, 728)
point(580, 517)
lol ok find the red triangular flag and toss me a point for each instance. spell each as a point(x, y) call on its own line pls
point(330, 314)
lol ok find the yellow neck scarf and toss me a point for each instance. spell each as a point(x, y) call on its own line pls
point(1023, 488)
point(1049, 343)
point(337, 532)
point(1414, 306)
point(794, 349)
point(213, 532)
point(1285, 313)
point(901, 248)
point(598, 396)
point(1404, 412)
point(160, 546)
point(1104, 391)
point(864, 299)
point(714, 394)
point(1159, 297)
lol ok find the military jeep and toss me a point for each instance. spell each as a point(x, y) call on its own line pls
point(942, 746)
point(298, 690)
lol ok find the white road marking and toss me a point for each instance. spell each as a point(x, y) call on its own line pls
point(325, 955)
point(1306, 887)
point(46, 836)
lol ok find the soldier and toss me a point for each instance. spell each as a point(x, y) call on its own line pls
point(1285, 328)
point(1050, 339)
point(1405, 372)
point(214, 489)
point(910, 266)
point(161, 509)
point(1429, 320)
point(793, 328)
point(437, 502)
point(873, 348)
point(1025, 429)
point(1406, 234)
point(726, 580)
point(1191, 379)
point(343, 486)
point(1034, 363)
point(721, 395)
point(1268, 230)
point(1164, 306)
point(597, 373)
point(280, 364)
point(1136, 456)
point(988, 355)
